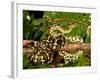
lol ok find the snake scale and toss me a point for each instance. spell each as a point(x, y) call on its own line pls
point(44, 51)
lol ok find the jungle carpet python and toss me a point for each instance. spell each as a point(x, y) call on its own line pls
point(45, 51)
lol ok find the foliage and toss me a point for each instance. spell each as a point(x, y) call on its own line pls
point(37, 29)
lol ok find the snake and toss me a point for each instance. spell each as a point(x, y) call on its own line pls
point(44, 50)
point(68, 56)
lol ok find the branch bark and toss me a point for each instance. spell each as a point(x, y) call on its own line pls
point(84, 46)
point(26, 42)
point(67, 47)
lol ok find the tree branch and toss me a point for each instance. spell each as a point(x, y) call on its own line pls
point(84, 46)
point(26, 42)
point(67, 47)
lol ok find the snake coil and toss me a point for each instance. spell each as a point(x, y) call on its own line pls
point(44, 50)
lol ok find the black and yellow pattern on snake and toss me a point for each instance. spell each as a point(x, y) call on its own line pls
point(44, 51)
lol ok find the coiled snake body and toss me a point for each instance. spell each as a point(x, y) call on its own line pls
point(44, 51)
